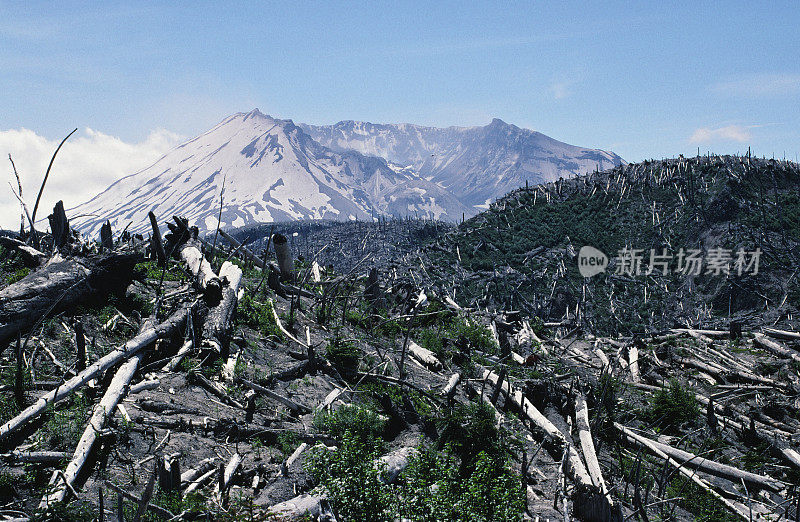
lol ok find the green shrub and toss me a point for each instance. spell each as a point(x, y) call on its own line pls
point(361, 422)
point(344, 355)
point(17, 275)
point(674, 406)
point(258, 316)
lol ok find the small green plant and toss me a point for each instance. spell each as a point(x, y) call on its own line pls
point(65, 426)
point(362, 422)
point(258, 316)
point(674, 406)
point(344, 355)
point(17, 275)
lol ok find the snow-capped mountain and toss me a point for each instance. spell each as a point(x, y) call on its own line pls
point(274, 170)
point(476, 164)
point(271, 171)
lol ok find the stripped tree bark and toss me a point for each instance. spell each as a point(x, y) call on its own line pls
point(115, 392)
point(122, 353)
point(218, 325)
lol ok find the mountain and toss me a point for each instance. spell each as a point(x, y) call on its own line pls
point(476, 164)
point(275, 170)
point(271, 171)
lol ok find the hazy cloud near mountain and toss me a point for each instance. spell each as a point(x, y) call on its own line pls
point(729, 133)
point(87, 163)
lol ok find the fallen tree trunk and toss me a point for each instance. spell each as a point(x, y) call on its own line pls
point(776, 347)
point(782, 334)
point(711, 467)
point(423, 355)
point(295, 407)
point(40, 457)
point(576, 467)
point(646, 443)
point(587, 447)
point(115, 392)
point(31, 257)
point(61, 286)
point(122, 353)
point(219, 322)
point(204, 276)
point(450, 389)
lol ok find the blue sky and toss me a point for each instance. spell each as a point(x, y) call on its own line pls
point(642, 80)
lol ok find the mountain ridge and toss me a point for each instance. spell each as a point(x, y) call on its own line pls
point(265, 169)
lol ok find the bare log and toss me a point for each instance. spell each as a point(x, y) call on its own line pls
point(711, 467)
point(423, 355)
point(204, 276)
point(31, 257)
point(576, 468)
point(295, 407)
point(115, 392)
point(219, 323)
point(647, 444)
point(587, 447)
point(122, 353)
point(61, 286)
point(782, 334)
point(228, 474)
point(40, 457)
point(450, 389)
point(776, 347)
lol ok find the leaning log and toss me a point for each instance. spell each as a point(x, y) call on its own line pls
point(30, 256)
point(576, 468)
point(243, 249)
point(647, 444)
point(122, 353)
point(587, 447)
point(204, 277)
point(62, 286)
point(115, 392)
point(711, 467)
point(219, 323)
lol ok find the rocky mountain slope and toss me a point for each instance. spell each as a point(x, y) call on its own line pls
point(273, 170)
point(476, 164)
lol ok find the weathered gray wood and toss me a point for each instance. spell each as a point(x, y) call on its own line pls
point(776, 347)
point(219, 322)
point(61, 286)
point(292, 405)
point(197, 265)
point(122, 353)
point(156, 241)
point(31, 257)
point(587, 447)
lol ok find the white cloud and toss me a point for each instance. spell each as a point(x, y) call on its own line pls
point(87, 164)
point(561, 89)
point(729, 133)
point(759, 86)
